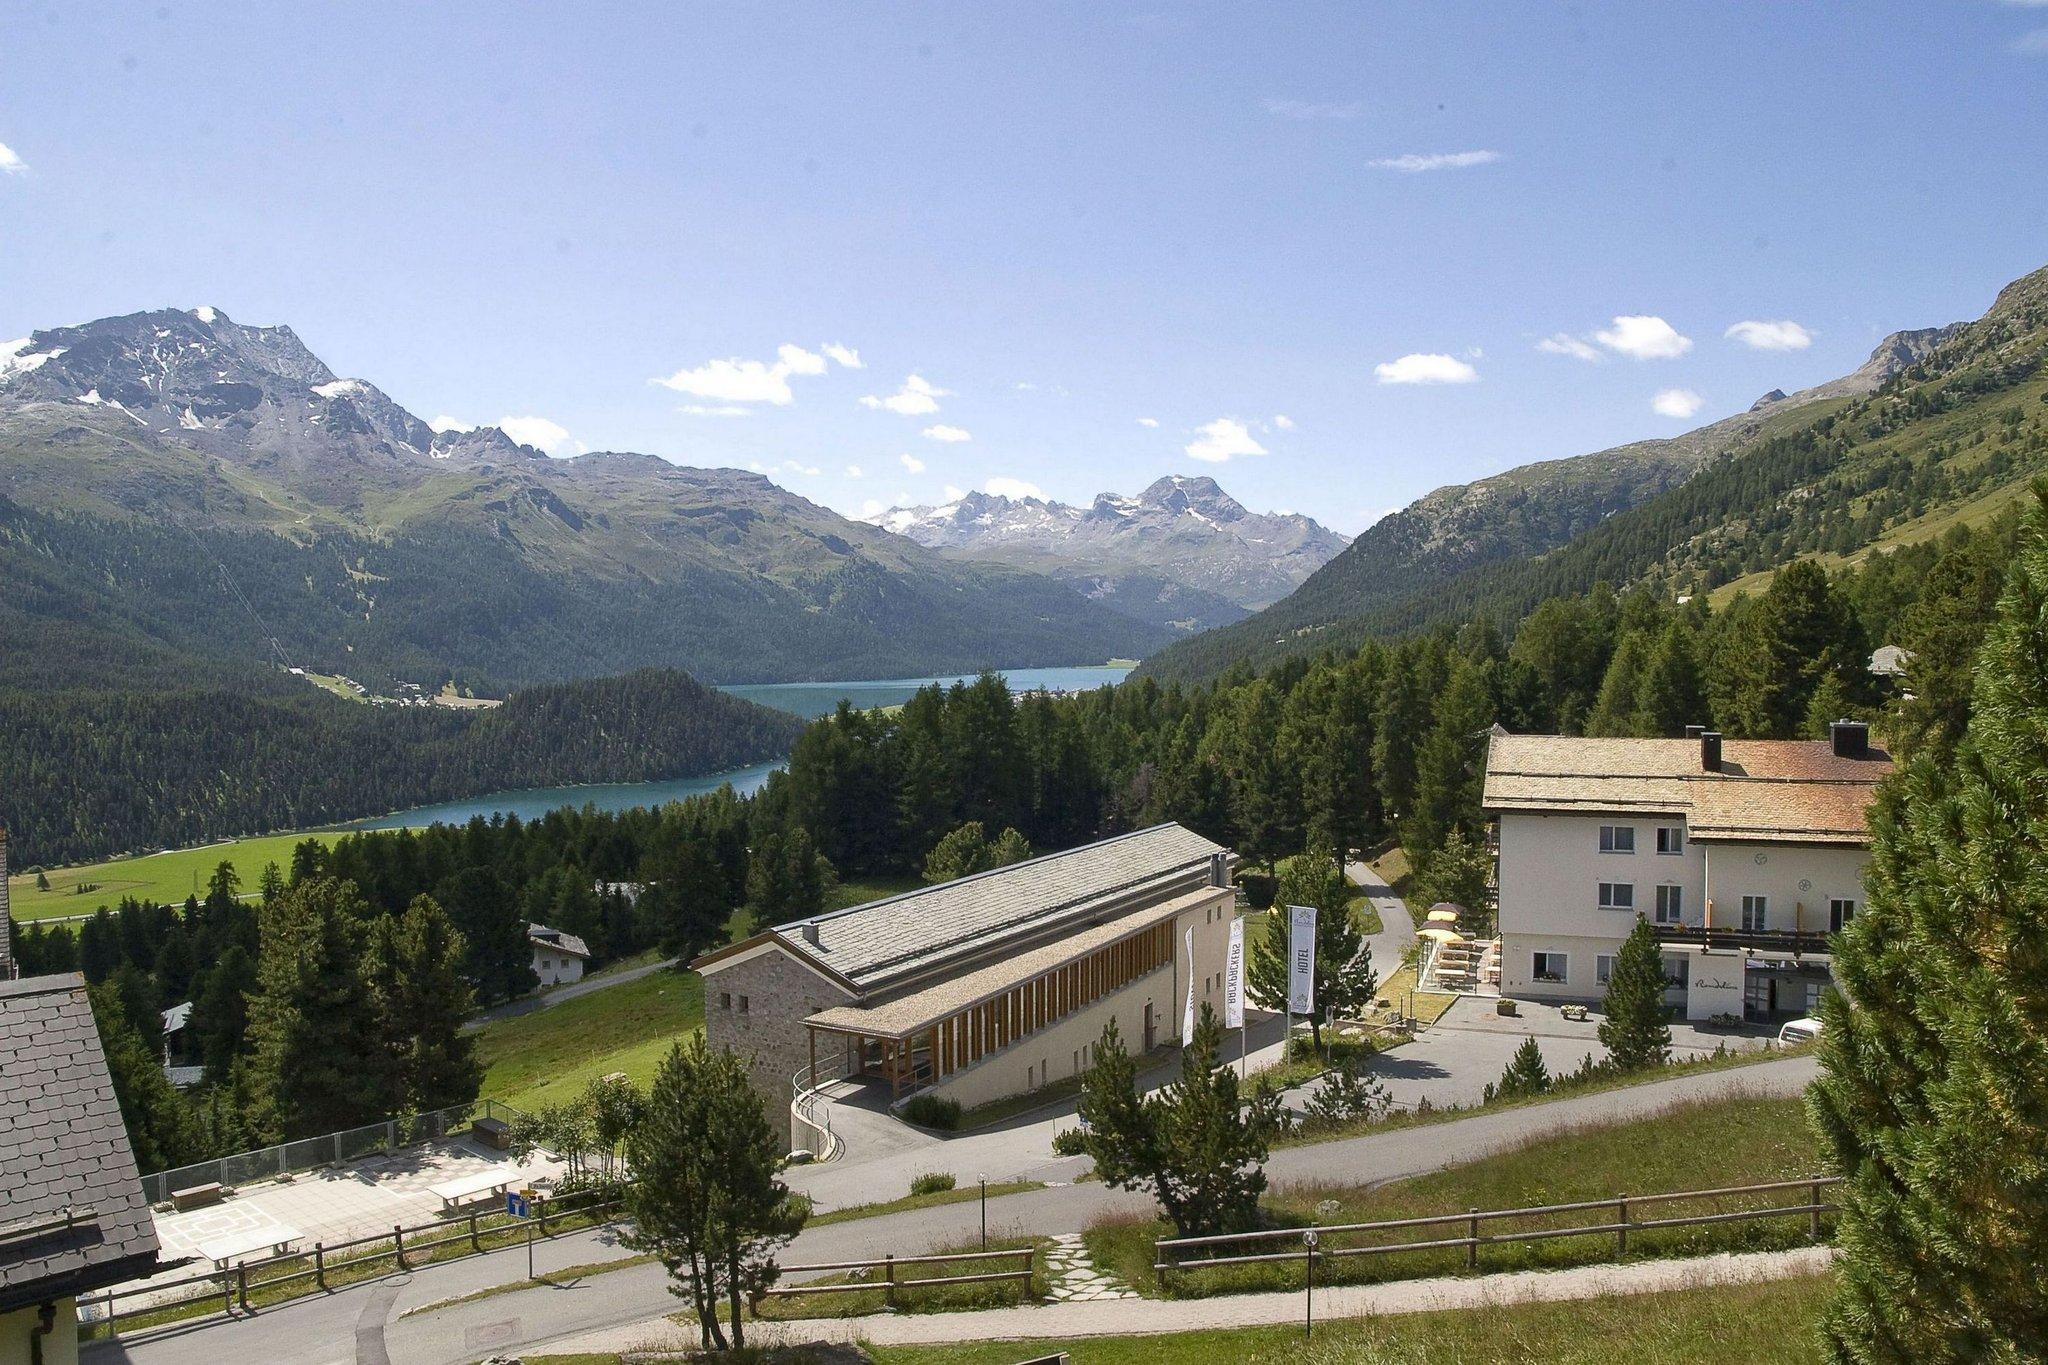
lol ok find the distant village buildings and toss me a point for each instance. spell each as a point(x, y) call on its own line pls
point(1743, 854)
point(986, 987)
point(558, 958)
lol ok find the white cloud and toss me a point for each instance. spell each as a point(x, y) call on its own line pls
point(950, 435)
point(1644, 338)
point(912, 463)
point(715, 410)
point(2037, 41)
point(1221, 440)
point(1564, 343)
point(853, 471)
point(1148, 421)
point(808, 471)
point(873, 507)
point(1676, 403)
point(1426, 368)
point(1003, 486)
point(1306, 110)
point(1771, 336)
point(11, 164)
point(952, 493)
point(733, 380)
point(1415, 162)
point(845, 355)
point(1283, 421)
point(446, 423)
point(918, 397)
point(541, 434)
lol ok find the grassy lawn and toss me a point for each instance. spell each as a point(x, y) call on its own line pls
point(167, 877)
point(552, 1054)
point(1766, 1324)
point(964, 1195)
point(1741, 1140)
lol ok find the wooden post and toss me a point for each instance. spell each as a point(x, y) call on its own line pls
point(1813, 1213)
point(320, 1266)
point(889, 1277)
point(227, 1294)
point(1472, 1247)
point(242, 1284)
point(1621, 1232)
point(398, 1245)
point(540, 1215)
point(474, 1244)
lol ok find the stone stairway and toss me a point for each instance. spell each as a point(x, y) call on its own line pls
point(1073, 1276)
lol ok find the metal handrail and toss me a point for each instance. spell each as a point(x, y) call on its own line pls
point(805, 1106)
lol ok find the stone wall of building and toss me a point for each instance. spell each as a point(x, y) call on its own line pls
point(756, 1005)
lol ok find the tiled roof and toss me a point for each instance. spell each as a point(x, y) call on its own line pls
point(62, 1148)
point(888, 941)
point(1776, 790)
point(540, 935)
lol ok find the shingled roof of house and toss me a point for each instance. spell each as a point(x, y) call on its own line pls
point(1775, 790)
point(897, 939)
point(72, 1214)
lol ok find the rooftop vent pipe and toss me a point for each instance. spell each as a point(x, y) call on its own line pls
point(1850, 738)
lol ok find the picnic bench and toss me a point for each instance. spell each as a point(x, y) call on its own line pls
point(197, 1196)
point(483, 1184)
point(225, 1250)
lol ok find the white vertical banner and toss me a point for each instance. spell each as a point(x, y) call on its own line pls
point(1233, 978)
point(1301, 959)
point(1187, 1016)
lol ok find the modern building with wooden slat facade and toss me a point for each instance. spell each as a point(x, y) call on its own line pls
point(985, 987)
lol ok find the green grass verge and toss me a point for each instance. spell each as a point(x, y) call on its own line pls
point(1740, 1140)
point(921, 1201)
point(552, 1054)
point(1771, 1323)
point(166, 877)
point(953, 1298)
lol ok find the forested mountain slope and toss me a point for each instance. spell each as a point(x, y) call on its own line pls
point(209, 488)
point(1459, 547)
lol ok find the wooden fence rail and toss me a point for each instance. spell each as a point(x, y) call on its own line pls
point(233, 1284)
point(889, 1284)
point(1167, 1252)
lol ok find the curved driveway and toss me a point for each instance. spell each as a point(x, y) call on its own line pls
point(368, 1322)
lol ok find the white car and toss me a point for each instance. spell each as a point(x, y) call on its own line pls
point(1800, 1031)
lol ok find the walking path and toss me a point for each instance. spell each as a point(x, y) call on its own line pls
point(310, 1331)
point(562, 994)
point(1065, 1321)
point(1075, 1276)
point(1397, 925)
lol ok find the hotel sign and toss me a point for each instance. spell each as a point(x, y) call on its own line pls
point(1301, 959)
point(1233, 978)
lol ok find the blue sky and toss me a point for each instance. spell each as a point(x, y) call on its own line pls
point(1068, 220)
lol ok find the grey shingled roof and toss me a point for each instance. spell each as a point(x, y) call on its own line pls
point(62, 1147)
point(888, 940)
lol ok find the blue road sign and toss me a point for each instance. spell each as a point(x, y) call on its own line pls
point(516, 1205)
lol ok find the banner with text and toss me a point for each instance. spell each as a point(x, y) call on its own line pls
point(1233, 978)
point(1187, 1018)
point(1301, 959)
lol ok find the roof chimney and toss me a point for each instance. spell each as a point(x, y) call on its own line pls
point(1695, 731)
point(1219, 869)
point(1710, 751)
point(1850, 738)
point(811, 932)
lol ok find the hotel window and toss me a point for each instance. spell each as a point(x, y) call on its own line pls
point(1617, 838)
point(1670, 839)
point(1603, 968)
point(743, 1004)
point(725, 1000)
point(1551, 967)
point(1617, 895)
point(1840, 912)
point(1670, 904)
point(1756, 912)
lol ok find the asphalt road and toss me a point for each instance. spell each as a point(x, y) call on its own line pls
point(369, 1324)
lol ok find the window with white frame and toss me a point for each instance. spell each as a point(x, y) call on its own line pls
point(1551, 967)
point(1756, 912)
point(1617, 895)
point(1671, 839)
point(1603, 968)
point(1670, 904)
point(1840, 911)
point(1617, 838)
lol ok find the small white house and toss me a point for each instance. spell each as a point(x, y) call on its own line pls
point(558, 958)
point(1744, 855)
